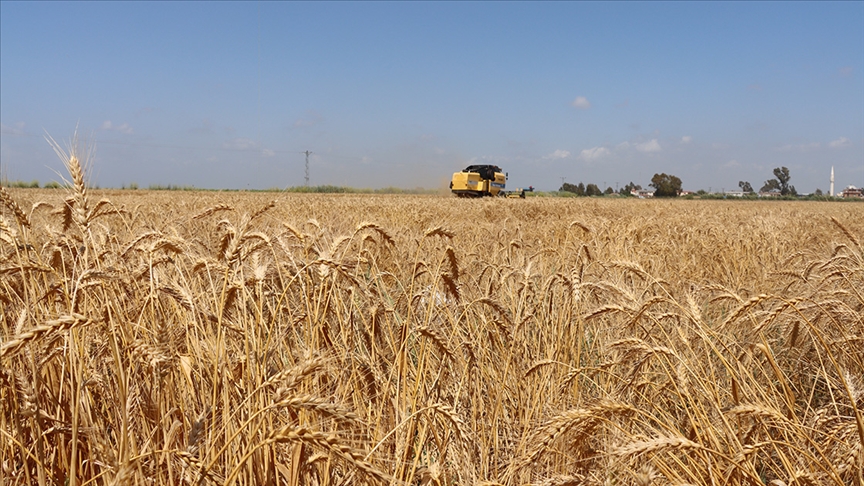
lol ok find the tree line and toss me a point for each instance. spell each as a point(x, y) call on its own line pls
point(664, 185)
point(668, 185)
point(583, 190)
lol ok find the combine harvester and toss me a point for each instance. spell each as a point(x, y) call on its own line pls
point(483, 180)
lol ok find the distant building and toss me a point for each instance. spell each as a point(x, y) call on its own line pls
point(734, 193)
point(771, 193)
point(642, 193)
point(685, 193)
point(852, 191)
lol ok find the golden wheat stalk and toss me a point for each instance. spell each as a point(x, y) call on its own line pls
point(270, 205)
point(13, 206)
point(437, 339)
point(64, 323)
point(753, 301)
point(328, 442)
point(7, 233)
point(439, 231)
point(580, 421)
point(377, 229)
point(656, 445)
point(72, 162)
point(212, 210)
point(314, 404)
point(845, 230)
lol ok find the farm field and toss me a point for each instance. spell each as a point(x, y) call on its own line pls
point(161, 338)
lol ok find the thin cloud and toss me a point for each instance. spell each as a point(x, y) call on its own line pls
point(309, 120)
point(16, 131)
point(124, 128)
point(205, 128)
point(799, 148)
point(144, 111)
point(731, 164)
point(302, 123)
point(268, 153)
point(622, 146)
point(649, 146)
point(686, 139)
point(846, 71)
point(594, 153)
point(839, 143)
point(488, 159)
point(240, 144)
point(581, 103)
point(558, 154)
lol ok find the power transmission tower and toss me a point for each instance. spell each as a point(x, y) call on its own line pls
point(307, 166)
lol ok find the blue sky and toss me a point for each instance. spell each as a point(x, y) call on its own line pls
point(229, 95)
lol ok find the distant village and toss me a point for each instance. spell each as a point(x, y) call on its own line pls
point(665, 185)
point(849, 192)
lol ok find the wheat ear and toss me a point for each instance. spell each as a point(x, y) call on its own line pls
point(328, 442)
point(64, 323)
point(10, 203)
point(76, 171)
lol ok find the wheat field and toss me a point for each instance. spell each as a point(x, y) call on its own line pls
point(162, 338)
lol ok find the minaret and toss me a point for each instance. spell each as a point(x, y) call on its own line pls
point(831, 190)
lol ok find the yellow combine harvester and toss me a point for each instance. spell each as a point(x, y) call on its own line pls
point(479, 181)
point(483, 180)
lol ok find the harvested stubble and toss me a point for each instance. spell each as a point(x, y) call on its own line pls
point(225, 338)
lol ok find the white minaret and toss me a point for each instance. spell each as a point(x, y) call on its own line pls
point(831, 190)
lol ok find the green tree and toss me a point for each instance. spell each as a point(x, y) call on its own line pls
point(609, 190)
point(593, 190)
point(567, 187)
point(665, 185)
point(770, 185)
point(745, 186)
point(780, 183)
point(782, 175)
